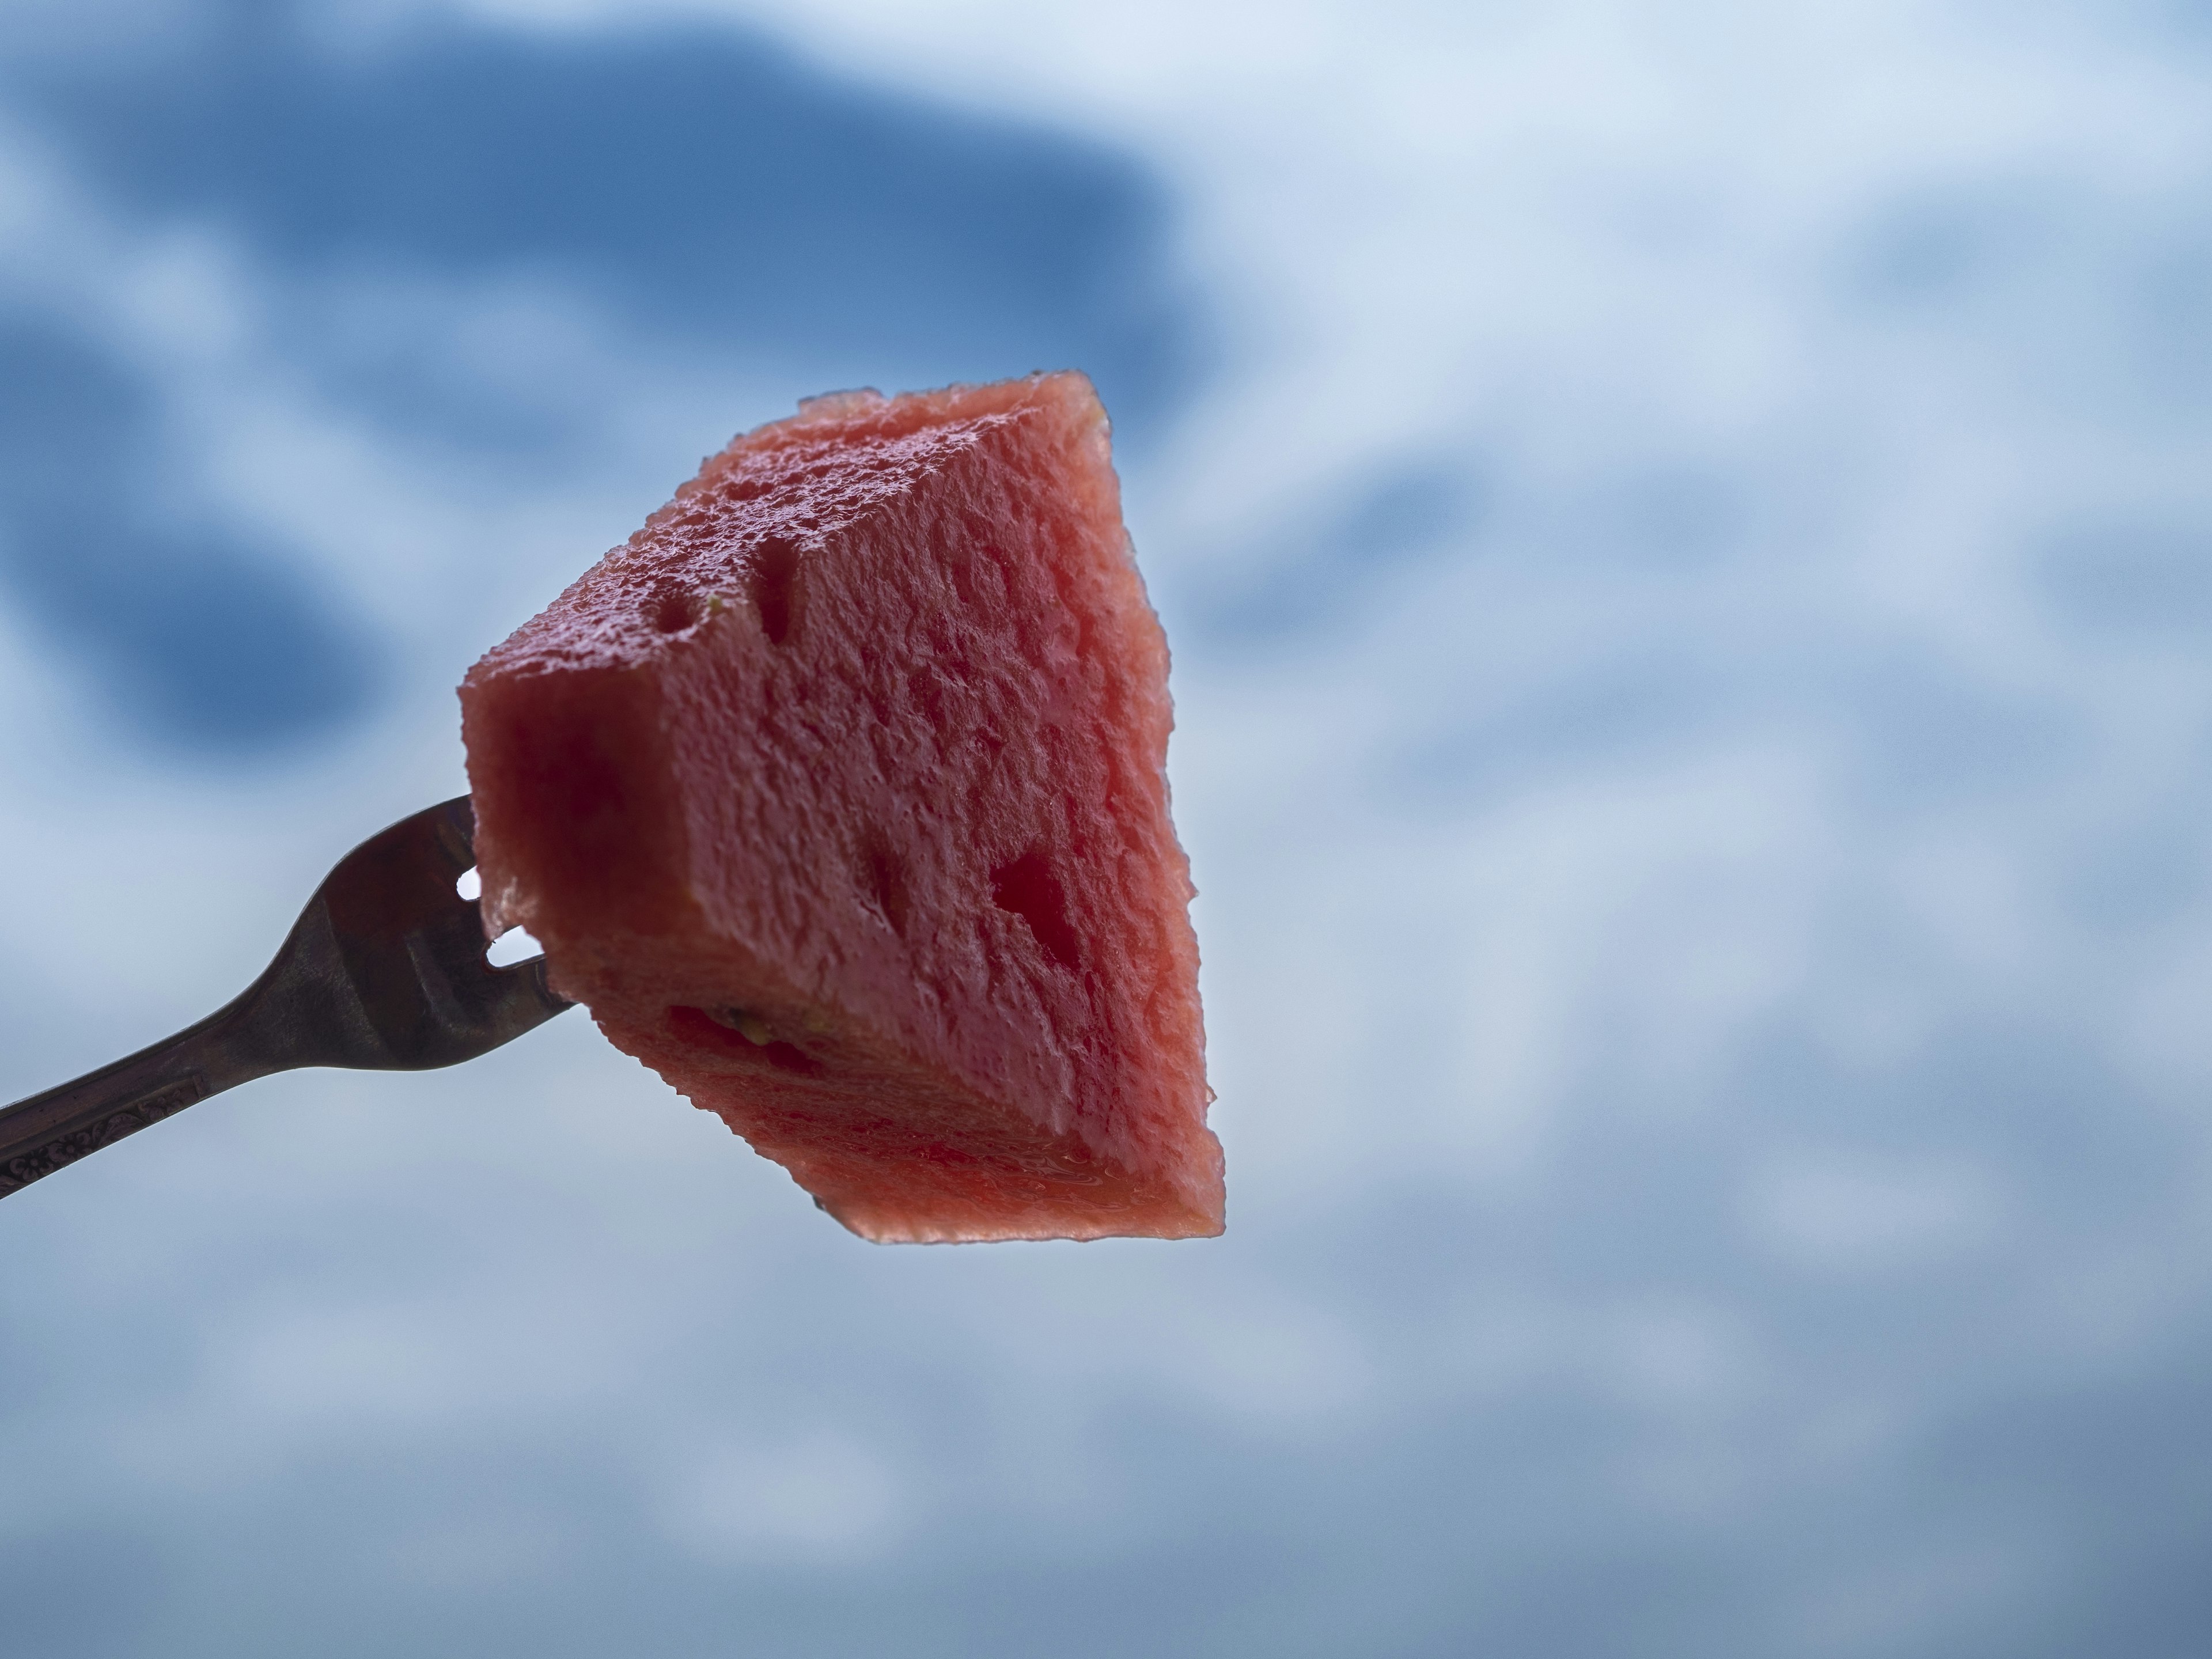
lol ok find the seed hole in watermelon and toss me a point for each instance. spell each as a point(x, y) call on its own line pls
point(470, 885)
point(775, 565)
point(786, 1057)
point(882, 878)
point(733, 1031)
point(512, 946)
point(674, 612)
point(1029, 889)
point(751, 1027)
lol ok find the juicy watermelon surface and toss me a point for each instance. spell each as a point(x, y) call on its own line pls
point(837, 795)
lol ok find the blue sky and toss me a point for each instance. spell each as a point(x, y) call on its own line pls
point(1686, 544)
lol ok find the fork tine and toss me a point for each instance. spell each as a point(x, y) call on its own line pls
point(530, 983)
point(414, 951)
point(453, 827)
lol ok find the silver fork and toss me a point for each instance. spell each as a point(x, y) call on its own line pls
point(385, 971)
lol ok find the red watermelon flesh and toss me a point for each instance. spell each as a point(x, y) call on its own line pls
point(837, 795)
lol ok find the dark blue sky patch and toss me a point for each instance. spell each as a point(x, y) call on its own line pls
point(1926, 730)
point(1939, 248)
point(2174, 308)
point(1591, 720)
point(2131, 577)
point(197, 632)
point(2120, 1476)
point(74, 1589)
point(1317, 573)
point(705, 184)
point(401, 356)
point(1933, 731)
point(1677, 520)
point(1403, 514)
point(2147, 875)
point(2091, 300)
point(2084, 1145)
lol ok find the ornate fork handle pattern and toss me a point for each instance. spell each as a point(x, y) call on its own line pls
point(24, 1168)
point(50, 1130)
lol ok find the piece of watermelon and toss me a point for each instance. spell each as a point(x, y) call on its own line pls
point(837, 795)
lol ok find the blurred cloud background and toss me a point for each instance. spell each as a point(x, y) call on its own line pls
point(1688, 543)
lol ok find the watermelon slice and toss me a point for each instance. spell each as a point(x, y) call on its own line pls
point(837, 796)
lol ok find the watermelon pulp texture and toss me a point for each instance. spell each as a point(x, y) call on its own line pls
point(837, 795)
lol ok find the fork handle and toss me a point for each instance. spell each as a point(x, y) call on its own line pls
point(39, 1135)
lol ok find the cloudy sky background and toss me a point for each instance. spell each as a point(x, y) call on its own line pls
point(1687, 541)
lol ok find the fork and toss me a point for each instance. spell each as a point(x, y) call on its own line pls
point(385, 971)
